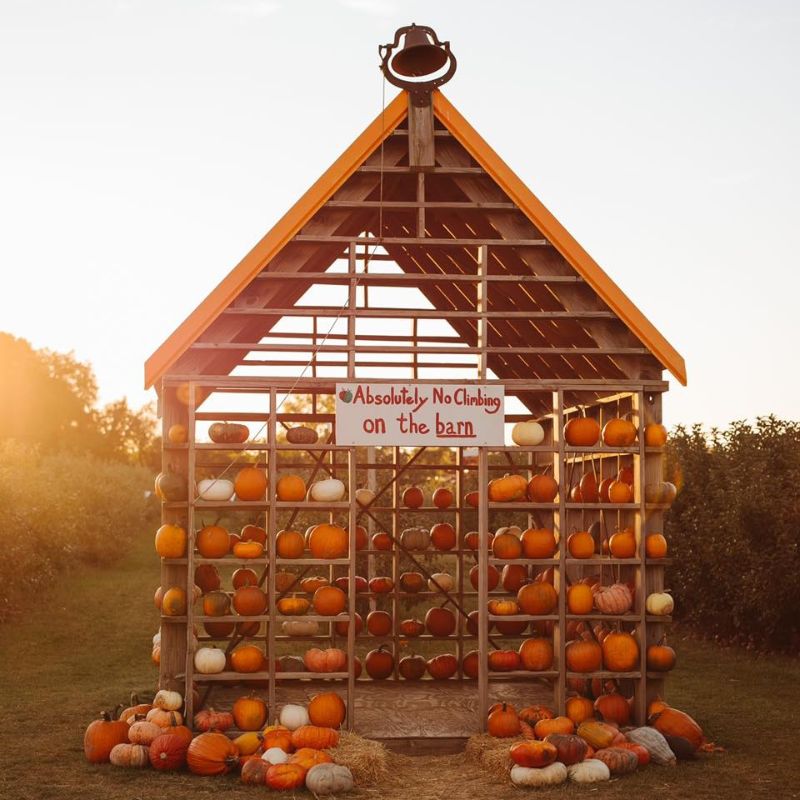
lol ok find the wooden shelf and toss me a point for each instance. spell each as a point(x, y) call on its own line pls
point(312, 618)
point(525, 561)
point(523, 618)
point(604, 674)
point(312, 562)
point(522, 673)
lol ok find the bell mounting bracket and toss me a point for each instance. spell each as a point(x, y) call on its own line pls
point(419, 91)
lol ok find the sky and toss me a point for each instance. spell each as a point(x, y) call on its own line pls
point(146, 145)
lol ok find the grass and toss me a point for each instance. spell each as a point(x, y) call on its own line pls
point(86, 644)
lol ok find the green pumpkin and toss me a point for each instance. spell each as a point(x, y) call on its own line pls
point(172, 486)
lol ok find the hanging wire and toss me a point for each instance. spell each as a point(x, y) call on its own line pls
point(341, 311)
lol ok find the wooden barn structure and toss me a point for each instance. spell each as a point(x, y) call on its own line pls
point(419, 256)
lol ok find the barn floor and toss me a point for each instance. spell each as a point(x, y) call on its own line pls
point(417, 717)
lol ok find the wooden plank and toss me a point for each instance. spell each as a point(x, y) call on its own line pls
point(483, 593)
point(389, 278)
point(368, 168)
point(415, 240)
point(413, 205)
point(420, 135)
point(272, 532)
point(403, 313)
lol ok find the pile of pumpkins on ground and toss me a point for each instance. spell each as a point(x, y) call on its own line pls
point(290, 755)
point(555, 749)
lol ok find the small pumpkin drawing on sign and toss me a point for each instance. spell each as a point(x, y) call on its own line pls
point(345, 395)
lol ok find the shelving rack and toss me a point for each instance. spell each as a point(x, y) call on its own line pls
point(387, 271)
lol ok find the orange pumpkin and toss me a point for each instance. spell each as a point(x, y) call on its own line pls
point(171, 541)
point(342, 625)
point(327, 710)
point(544, 727)
point(212, 754)
point(537, 598)
point(213, 541)
point(328, 541)
point(506, 546)
point(514, 577)
point(532, 714)
point(308, 757)
point(290, 489)
point(254, 771)
point(620, 492)
point(588, 488)
point(582, 432)
point(492, 576)
point(581, 544)
point(244, 576)
point(443, 497)
point(672, 722)
point(206, 576)
point(250, 601)
point(620, 652)
point(381, 541)
point(330, 660)
point(250, 484)
point(580, 599)
point(290, 544)
point(542, 488)
point(472, 499)
point(293, 606)
point(503, 608)
point(248, 550)
point(613, 707)
point(584, 655)
point(442, 667)
point(329, 601)
point(536, 654)
point(655, 545)
point(277, 736)
point(247, 658)
point(311, 584)
point(443, 536)
point(533, 753)
point(283, 777)
point(249, 713)
point(252, 533)
point(507, 489)
point(173, 602)
point(660, 657)
point(579, 708)
point(655, 435)
point(379, 623)
point(503, 722)
point(619, 433)
point(102, 736)
point(538, 543)
point(623, 543)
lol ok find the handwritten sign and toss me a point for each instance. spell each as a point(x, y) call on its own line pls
point(419, 414)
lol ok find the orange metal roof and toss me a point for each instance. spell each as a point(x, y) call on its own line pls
point(333, 178)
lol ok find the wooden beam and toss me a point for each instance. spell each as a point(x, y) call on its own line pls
point(420, 135)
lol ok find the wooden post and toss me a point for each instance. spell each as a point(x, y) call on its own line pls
point(483, 509)
point(351, 589)
point(560, 517)
point(188, 697)
point(420, 135)
point(272, 553)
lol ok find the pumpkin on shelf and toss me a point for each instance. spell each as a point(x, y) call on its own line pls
point(327, 710)
point(584, 655)
point(247, 658)
point(331, 659)
point(660, 657)
point(443, 497)
point(443, 536)
point(254, 533)
point(206, 576)
point(209, 660)
point(301, 435)
point(470, 664)
point(538, 598)
point(412, 668)
point(412, 627)
point(173, 602)
point(328, 541)
point(613, 707)
point(442, 667)
point(660, 604)
point(360, 581)
point(619, 432)
point(171, 486)
point(212, 754)
point(582, 432)
point(412, 582)
point(620, 492)
point(542, 488)
point(503, 722)
point(210, 720)
point(215, 489)
point(588, 487)
point(615, 599)
point(381, 584)
point(102, 736)
point(382, 541)
point(580, 599)
point(581, 544)
point(311, 584)
point(330, 490)
point(250, 601)
point(379, 623)
point(441, 582)
point(655, 435)
point(440, 621)
point(290, 544)
point(228, 433)
point(620, 652)
point(213, 541)
point(341, 626)
point(527, 434)
point(250, 484)
point(248, 549)
point(412, 497)
point(492, 577)
point(507, 489)
point(506, 546)
point(472, 499)
point(249, 713)
point(504, 660)
point(622, 544)
point(503, 607)
point(655, 545)
point(293, 716)
point(244, 576)
point(379, 663)
point(171, 541)
point(415, 539)
point(293, 606)
point(536, 654)
point(538, 543)
point(290, 489)
point(328, 601)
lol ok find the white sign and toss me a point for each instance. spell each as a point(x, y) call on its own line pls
point(419, 414)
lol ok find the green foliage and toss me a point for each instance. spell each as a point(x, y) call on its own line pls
point(59, 510)
point(48, 401)
point(734, 531)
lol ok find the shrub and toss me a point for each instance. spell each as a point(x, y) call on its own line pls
point(60, 510)
point(734, 531)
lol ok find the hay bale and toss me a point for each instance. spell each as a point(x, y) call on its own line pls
point(491, 754)
point(368, 760)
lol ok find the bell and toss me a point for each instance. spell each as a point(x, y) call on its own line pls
point(419, 55)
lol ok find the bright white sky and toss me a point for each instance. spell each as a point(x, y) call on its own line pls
point(145, 145)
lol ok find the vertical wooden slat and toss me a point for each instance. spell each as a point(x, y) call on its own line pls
point(396, 559)
point(272, 522)
point(560, 475)
point(639, 462)
point(351, 589)
point(483, 586)
point(188, 697)
point(459, 493)
point(421, 208)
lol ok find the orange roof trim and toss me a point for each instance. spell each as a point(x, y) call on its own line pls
point(333, 178)
point(559, 236)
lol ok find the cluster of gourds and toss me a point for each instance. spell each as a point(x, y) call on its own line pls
point(589, 745)
point(288, 755)
point(586, 432)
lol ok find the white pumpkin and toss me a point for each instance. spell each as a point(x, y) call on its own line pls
point(169, 701)
point(274, 755)
point(130, 755)
point(215, 489)
point(551, 775)
point(527, 434)
point(323, 779)
point(364, 496)
point(327, 491)
point(590, 771)
point(300, 627)
point(660, 604)
point(157, 637)
point(209, 660)
point(294, 716)
point(445, 581)
point(514, 530)
point(654, 742)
